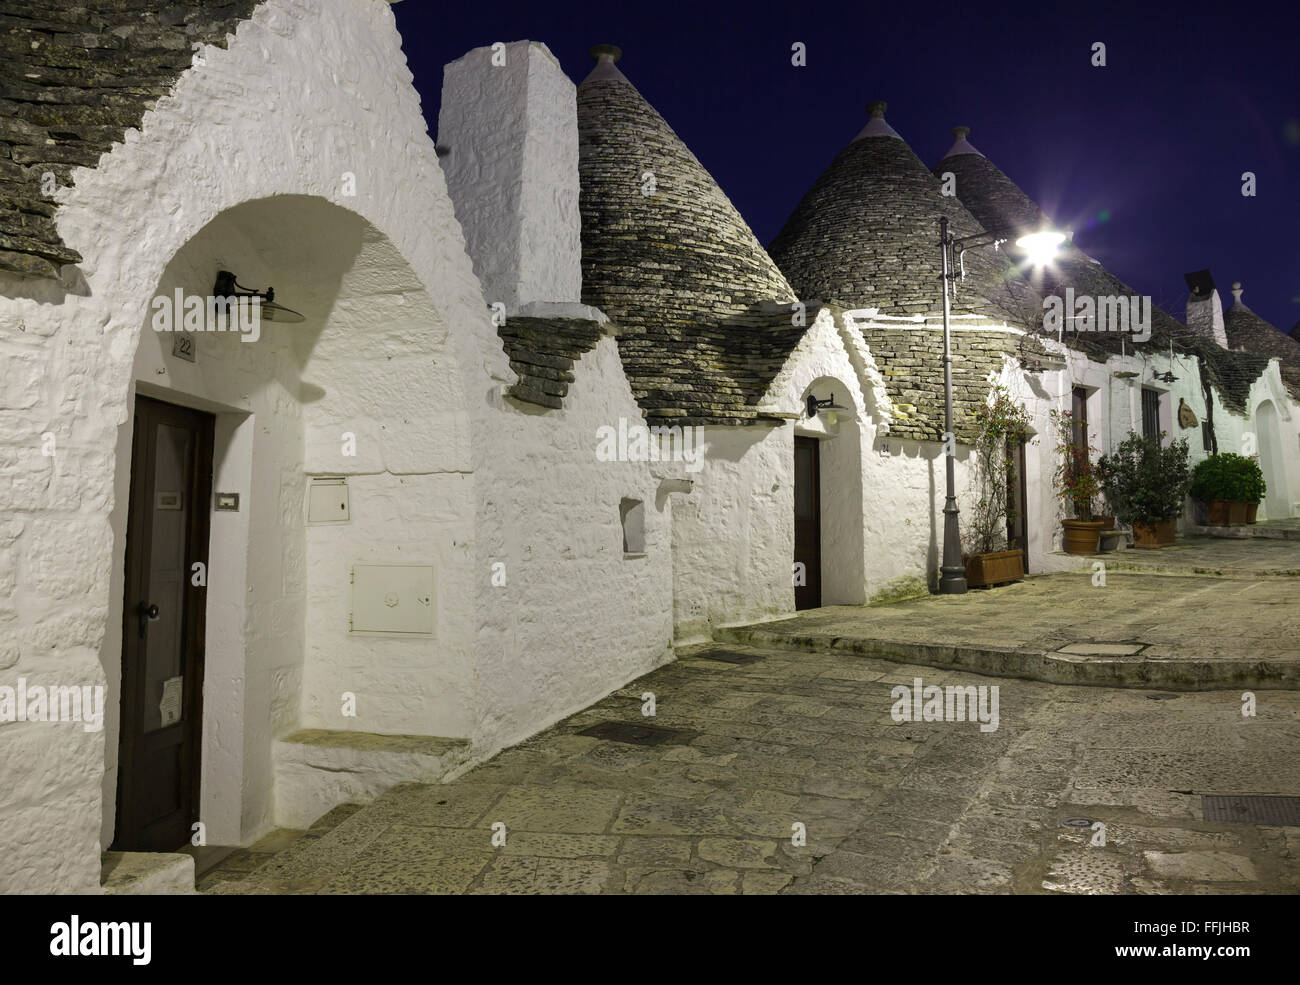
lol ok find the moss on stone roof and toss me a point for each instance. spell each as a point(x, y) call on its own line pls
point(703, 313)
point(74, 77)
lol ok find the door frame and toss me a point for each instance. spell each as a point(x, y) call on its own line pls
point(812, 575)
point(138, 548)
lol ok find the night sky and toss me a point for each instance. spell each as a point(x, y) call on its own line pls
point(1142, 158)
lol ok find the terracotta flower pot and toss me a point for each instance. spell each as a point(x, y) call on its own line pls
point(1081, 536)
point(994, 568)
point(1252, 510)
point(1107, 522)
point(1236, 514)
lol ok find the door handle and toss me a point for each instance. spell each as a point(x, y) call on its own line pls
point(147, 612)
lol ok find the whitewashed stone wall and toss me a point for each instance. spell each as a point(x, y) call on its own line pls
point(575, 618)
point(333, 97)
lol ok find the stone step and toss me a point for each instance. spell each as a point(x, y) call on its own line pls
point(1248, 531)
point(147, 874)
point(318, 769)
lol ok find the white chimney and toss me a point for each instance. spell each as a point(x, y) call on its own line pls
point(1204, 308)
point(508, 146)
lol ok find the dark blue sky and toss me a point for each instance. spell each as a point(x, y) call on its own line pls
point(1142, 158)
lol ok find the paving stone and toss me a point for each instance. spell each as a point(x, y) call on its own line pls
point(1202, 866)
point(953, 812)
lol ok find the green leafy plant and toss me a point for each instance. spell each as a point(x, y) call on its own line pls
point(1228, 476)
point(1002, 424)
point(1143, 481)
point(1075, 478)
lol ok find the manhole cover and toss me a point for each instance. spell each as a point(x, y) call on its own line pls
point(1077, 822)
point(637, 735)
point(728, 656)
point(1252, 810)
point(1094, 649)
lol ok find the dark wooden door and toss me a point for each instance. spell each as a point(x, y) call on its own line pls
point(807, 522)
point(162, 627)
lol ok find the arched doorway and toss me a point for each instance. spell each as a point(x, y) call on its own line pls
point(365, 392)
point(828, 500)
point(1277, 498)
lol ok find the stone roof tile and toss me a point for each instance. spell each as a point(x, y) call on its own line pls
point(73, 79)
point(703, 313)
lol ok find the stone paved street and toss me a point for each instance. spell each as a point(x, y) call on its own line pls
point(797, 738)
point(1176, 632)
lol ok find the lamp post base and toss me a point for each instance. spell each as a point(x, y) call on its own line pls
point(952, 580)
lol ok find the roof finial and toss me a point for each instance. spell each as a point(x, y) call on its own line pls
point(961, 145)
point(876, 126)
point(612, 51)
point(1236, 292)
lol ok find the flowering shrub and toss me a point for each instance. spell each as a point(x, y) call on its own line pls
point(1002, 423)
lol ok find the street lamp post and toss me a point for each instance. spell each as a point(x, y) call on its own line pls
point(952, 579)
point(1039, 247)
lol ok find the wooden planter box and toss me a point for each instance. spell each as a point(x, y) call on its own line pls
point(1159, 534)
point(995, 568)
point(1252, 512)
point(1081, 536)
point(1228, 513)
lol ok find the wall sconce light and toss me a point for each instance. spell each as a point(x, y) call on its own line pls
point(1165, 377)
point(814, 405)
point(227, 287)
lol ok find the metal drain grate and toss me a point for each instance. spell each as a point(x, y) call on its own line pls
point(1077, 822)
point(728, 656)
point(636, 735)
point(1252, 810)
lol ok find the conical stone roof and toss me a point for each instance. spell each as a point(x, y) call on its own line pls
point(703, 314)
point(867, 233)
point(997, 201)
point(1247, 330)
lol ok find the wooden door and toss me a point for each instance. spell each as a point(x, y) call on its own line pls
point(162, 627)
point(807, 522)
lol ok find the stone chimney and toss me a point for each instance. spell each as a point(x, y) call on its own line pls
point(1204, 308)
point(508, 146)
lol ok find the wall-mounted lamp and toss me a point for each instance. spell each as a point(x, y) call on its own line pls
point(227, 287)
point(813, 405)
point(1165, 377)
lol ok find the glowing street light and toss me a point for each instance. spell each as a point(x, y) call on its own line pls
point(1040, 247)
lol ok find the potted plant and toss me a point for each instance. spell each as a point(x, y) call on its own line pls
point(1147, 483)
point(1255, 487)
point(991, 560)
point(1228, 483)
point(1075, 481)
